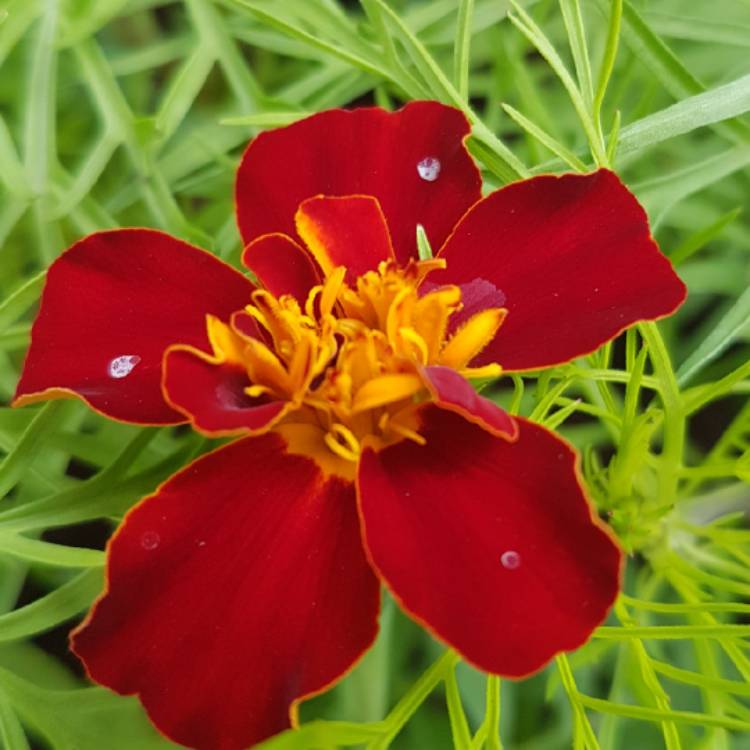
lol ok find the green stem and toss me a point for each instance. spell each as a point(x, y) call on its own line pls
point(408, 705)
point(674, 416)
point(492, 716)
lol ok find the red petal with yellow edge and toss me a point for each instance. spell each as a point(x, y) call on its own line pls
point(349, 231)
point(236, 590)
point(112, 304)
point(490, 544)
point(281, 265)
point(453, 392)
point(368, 152)
point(212, 396)
point(574, 259)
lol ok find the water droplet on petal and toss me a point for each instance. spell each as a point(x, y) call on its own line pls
point(510, 559)
point(429, 168)
point(150, 540)
point(201, 543)
point(122, 366)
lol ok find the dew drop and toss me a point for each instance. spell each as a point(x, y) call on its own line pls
point(429, 168)
point(122, 366)
point(201, 543)
point(150, 540)
point(510, 559)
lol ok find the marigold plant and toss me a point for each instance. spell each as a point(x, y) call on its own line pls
point(332, 367)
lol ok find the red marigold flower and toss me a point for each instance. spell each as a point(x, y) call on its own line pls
point(250, 580)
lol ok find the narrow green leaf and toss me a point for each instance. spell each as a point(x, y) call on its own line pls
point(671, 632)
point(699, 29)
point(712, 106)
point(92, 169)
point(614, 135)
point(556, 419)
point(661, 193)
point(183, 90)
point(571, 13)
point(731, 325)
point(377, 19)
point(331, 49)
point(12, 173)
point(437, 82)
point(660, 61)
point(657, 715)
point(526, 25)
point(701, 680)
point(56, 607)
point(214, 32)
point(15, 305)
point(492, 161)
point(697, 398)
point(15, 462)
point(83, 18)
point(20, 14)
point(39, 127)
point(554, 146)
point(80, 719)
point(608, 60)
point(12, 736)
point(702, 237)
point(265, 119)
point(462, 51)
point(36, 551)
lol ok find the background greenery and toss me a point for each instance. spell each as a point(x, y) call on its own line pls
point(134, 112)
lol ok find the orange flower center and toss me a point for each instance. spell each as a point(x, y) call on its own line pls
point(350, 362)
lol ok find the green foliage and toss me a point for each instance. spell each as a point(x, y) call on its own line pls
point(134, 112)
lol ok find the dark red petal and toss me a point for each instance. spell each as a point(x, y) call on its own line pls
point(367, 152)
point(212, 395)
point(235, 591)
point(348, 231)
point(453, 392)
point(575, 260)
point(490, 544)
point(112, 304)
point(281, 265)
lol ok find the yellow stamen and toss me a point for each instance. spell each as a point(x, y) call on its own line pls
point(399, 313)
point(419, 346)
point(226, 344)
point(342, 442)
point(331, 289)
point(389, 423)
point(312, 295)
point(386, 389)
point(256, 391)
point(472, 337)
point(431, 316)
point(493, 370)
point(264, 368)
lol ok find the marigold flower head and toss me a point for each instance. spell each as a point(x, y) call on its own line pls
point(363, 456)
